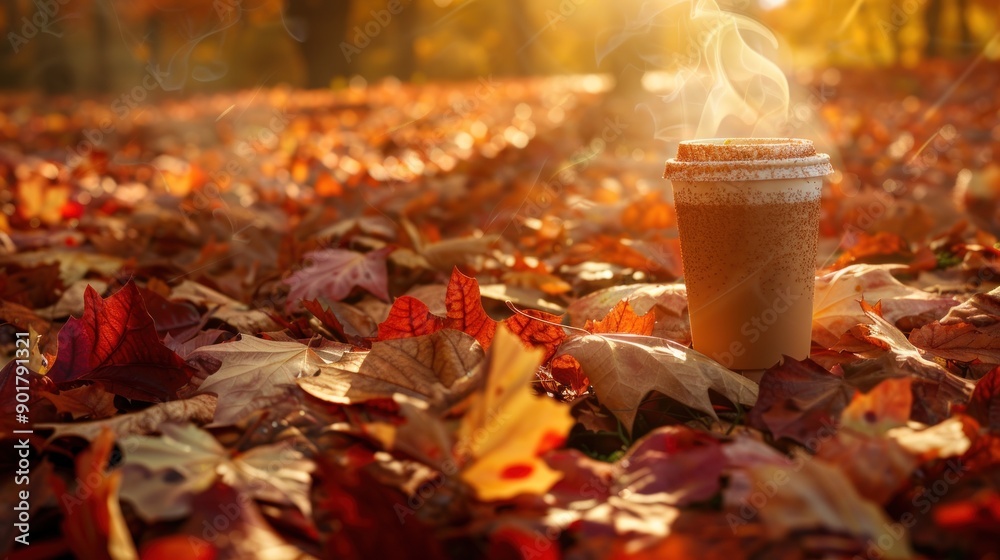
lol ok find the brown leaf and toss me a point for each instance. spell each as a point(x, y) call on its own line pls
point(89, 401)
point(198, 410)
point(255, 371)
point(274, 472)
point(22, 317)
point(808, 495)
point(936, 388)
point(624, 370)
point(434, 367)
point(969, 332)
point(798, 398)
point(835, 308)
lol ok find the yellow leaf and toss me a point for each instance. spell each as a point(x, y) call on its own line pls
point(507, 427)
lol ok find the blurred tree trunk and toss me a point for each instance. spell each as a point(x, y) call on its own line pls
point(9, 76)
point(963, 22)
point(520, 35)
point(320, 28)
point(897, 47)
point(102, 48)
point(932, 20)
point(409, 20)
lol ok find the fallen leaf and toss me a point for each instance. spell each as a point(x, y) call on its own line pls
point(170, 317)
point(969, 332)
point(22, 317)
point(835, 308)
point(409, 317)
point(885, 407)
point(254, 371)
point(238, 314)
point(798, 399)
point(624, 369)
point(507, 428)
point(334, 273)
point(521, 297)
point(276, 472)
point(437, 367)
point(623, 319)
point(927, 443)
point(984, 405)
point(115, 342)
point(880, 247)
point(198, 410)
point(876, 464)
point(465, 309)
point(902, 359)
point(537, 329)
point(89, 401)
point(668, 303)
point(809, 495)
point(326, 317)
point(99, 528)
point(673, 465)
point(248, 534)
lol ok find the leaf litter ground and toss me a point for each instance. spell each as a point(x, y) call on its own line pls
point(299, 344)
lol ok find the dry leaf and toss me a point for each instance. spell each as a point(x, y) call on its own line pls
point(624, 369)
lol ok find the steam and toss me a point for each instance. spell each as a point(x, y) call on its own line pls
point(717, 80)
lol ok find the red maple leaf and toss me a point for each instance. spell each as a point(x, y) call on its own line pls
point(465, 309)
point(409, 317)
point(567, 371)
point(537, 333)
point(325, 316)
point(623, 319)
point(115, 342)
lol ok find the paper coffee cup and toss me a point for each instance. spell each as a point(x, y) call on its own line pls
point(748, 217)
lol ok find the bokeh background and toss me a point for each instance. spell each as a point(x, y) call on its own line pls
point(104, 45)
